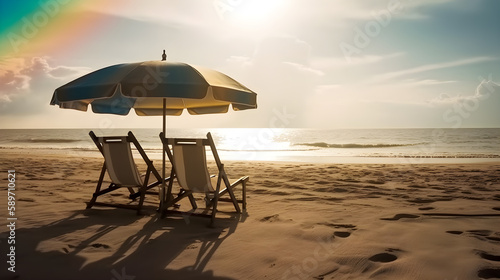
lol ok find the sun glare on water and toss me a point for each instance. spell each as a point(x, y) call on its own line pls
point(250, 143)
point(247, 139)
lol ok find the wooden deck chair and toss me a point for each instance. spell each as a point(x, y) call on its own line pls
point(122, 170)
point(189, 166)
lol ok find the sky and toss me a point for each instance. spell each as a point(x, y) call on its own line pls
point(313, 64)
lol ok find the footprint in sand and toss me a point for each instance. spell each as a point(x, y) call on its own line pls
point(456, 232)
point(353, 227)
point(493, 238)
point(488, 273)
point(376, 182)
point(417, 187)
point(400, 216)
point(100, 245)
point(426, 208)
point(487, 256)
point(342, 234)
point(383, 257)
point(272, 218)
point(480, 232)
point(421, 200)
point(323, 182)
point(485, 235)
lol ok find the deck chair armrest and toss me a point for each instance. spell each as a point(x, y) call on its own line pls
point(241, 180)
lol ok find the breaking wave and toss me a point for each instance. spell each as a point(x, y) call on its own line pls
point(53, 140)
point(354, 146)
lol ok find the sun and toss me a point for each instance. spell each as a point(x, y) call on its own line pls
point(256, 12)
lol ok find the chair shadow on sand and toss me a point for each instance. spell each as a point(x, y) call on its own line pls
point(143, 255)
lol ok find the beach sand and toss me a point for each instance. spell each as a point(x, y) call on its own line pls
point(304, 221)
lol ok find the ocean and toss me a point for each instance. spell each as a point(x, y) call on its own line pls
point(290, 144)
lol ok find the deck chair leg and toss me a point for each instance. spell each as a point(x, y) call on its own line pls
point(244, 194)
point(192, 201)
point(141, 200)
point(234, 200)
point(216, 198)
point(214, 210)
point(98, 188)
point(143, 190)
point(131, 190)
point(169, 196)
point(231, 194)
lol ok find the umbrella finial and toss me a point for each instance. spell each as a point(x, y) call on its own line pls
point(163, 56)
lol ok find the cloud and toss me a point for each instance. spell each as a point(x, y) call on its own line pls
point(409, 91)
point(417, 9)
point(239, 60)
point(27, 85)
point(65, 72)
point(40, 67)
point(281, 74)
point(328, 63)
point(425, 82)
point(12, 83)
point(278, 53)
point(479, 109)
point(485, 90)
point(430, 67)
point(177, 13)
point(282, 49)
point(305, 69)
point(364, 10)
point(404, 104)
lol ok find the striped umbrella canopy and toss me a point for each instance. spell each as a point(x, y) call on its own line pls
point(144, 86)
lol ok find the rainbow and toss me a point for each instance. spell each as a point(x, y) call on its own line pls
point(41, 28)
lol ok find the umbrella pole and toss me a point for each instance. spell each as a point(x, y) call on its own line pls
point(162, 191)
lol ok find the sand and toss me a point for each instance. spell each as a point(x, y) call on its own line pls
point(304, 221)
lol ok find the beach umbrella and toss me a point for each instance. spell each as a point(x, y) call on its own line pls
point(155, 88)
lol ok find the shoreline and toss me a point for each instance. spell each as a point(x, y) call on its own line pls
point(227, 156)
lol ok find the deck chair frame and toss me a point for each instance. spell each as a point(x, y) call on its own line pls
point(143, 189)
point(211, 203)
